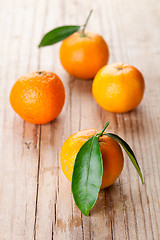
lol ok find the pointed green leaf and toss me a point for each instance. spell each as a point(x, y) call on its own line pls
point(128, 151)
point(87, 175)
point(58, 34)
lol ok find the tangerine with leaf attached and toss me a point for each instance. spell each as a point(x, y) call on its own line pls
point(93, 159)
point(82, 53)
point(111, 154)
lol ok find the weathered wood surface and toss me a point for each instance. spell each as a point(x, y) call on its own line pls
point(35, 197)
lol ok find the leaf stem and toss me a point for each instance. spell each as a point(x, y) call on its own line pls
point(84, 26)
point(101, 133)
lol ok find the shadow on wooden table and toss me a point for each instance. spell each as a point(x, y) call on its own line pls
point(111, 201)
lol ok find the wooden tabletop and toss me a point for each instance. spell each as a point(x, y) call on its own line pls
point(35, 197)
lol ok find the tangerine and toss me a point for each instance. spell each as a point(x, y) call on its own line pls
point(83, 54)
point(111, 154)
point(118, 87)
point(38, 97)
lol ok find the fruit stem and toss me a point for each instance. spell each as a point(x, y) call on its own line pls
point(101, 133)
point(84, 26)
point(119, 68)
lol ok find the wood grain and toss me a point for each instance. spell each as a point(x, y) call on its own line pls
point(35, 197)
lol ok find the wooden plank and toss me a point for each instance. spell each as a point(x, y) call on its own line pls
point(20, 140)
point(35, 197)
point(139, 208)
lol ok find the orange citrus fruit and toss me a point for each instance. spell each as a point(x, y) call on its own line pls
point(111, 154)
point(118, 87)
point(38, 97)
point(82, 55)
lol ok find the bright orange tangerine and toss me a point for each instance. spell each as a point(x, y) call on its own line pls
point(111, 154)
point(82, 55)
point(38, 97)
point(118, 87)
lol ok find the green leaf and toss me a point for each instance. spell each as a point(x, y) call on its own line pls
point(58, 34)
point(87, 175)
point(128, 151)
